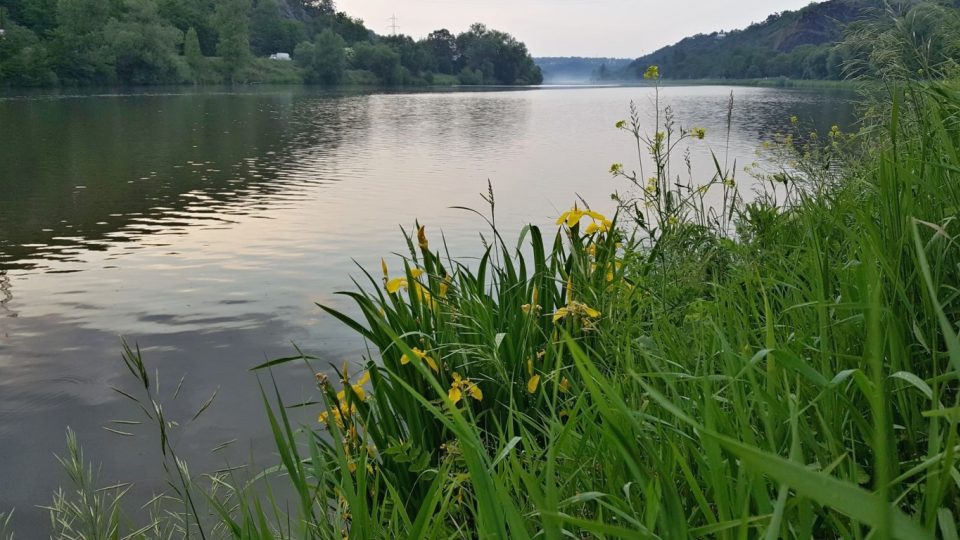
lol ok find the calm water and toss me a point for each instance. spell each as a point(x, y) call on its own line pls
point(204, 227)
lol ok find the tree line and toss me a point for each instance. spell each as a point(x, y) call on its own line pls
point(147, 42)
point(827, 41)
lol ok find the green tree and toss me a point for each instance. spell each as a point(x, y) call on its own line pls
point(270, 32)
point(196, 14)
point(380, 60)
point(191, 48)
point(442, 47)
point(498, 56)
point(325, 60)
point(144, 47)
point(24, 60)
point(79, 49)
point(233, 28)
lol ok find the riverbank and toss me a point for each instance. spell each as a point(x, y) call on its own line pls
point(782, 365)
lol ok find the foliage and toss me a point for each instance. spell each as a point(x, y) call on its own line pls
point(143, 47)
point(78, 42)
point(230, 20)
point(820, 41)
point(271, 32)
point(324, 61)
point(379, 59)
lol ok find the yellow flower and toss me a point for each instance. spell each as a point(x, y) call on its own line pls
point(573, 216)
point(699, 132)
point(533, 383)
point(616, 168)
point(461, 385)
point(652, 73)
point(621, 124)
point(445, 286)
point(794, 120)
point(386, 273)
point(672, 220)
point(420, 355)
point(729, 182)
point(565, 385)
point(357, 388)
point(575, 309)
point(396, 284)
point(422, 238)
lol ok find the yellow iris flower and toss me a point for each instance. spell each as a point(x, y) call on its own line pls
point(344, 409)
point(395, 284)
point(572, 217)
point(533, 383)
point(575, 309)
point(420, 355)
point(461, 386)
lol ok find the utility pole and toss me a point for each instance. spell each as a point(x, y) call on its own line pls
point(393, 24)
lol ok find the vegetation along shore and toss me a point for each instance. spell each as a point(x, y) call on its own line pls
point(707, 362)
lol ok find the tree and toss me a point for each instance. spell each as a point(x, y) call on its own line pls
point(412, 56)
point(270, 32)
point(442, 47)
point(498, 56)
point(233, 28)
point(24, 60)
point(193, 53)
point(324, 60)
point(79, 49)
point(380, 60)
point(143, 46)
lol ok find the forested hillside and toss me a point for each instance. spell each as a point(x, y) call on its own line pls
point(142, 42)
point(820, 41)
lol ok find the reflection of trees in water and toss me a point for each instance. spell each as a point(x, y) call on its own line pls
point(83, 169)
point(6, 295)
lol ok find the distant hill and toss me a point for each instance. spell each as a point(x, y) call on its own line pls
point(797, 44)
point(576, 69)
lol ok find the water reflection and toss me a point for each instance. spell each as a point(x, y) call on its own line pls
point(203, 226)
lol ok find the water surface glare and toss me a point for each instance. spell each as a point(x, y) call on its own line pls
point(203, 226)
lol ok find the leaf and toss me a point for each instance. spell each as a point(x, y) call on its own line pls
point(915, 382)
point(506, 450)
point(845, 497)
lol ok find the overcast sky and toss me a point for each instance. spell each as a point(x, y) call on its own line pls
point(619, 28)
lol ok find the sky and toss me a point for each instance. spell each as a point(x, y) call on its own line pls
point(609, 28)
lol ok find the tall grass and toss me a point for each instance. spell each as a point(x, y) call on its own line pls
point(783, 366)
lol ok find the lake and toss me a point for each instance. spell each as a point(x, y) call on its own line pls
point(203, 226)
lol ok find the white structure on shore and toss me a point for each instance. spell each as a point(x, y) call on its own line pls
point(280, 56)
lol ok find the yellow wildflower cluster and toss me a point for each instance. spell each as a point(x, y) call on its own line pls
point(344, 409)
point(621, 124)
point(616, 168)
point(698, 132)
point(460, 387)
point(651, 188)
point(572, 217)
point(652, 73)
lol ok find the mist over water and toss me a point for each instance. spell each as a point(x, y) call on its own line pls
point(204, 226)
